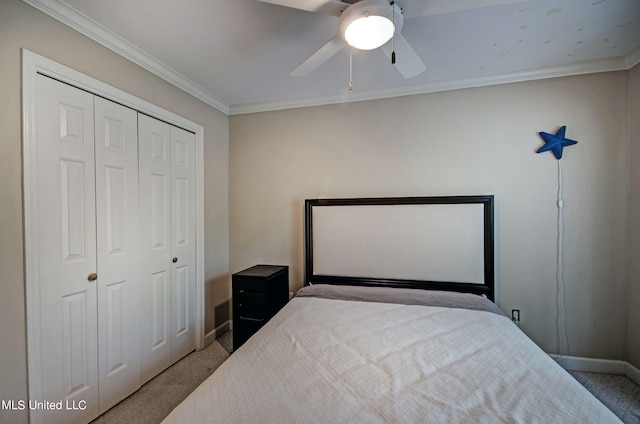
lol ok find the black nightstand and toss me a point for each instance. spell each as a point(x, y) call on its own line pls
point(258, 293)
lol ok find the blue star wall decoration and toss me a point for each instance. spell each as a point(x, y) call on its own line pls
point(555, 142)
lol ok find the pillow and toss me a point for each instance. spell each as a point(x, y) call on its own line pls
point(446, 299)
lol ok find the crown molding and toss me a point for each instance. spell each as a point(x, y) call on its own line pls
point(85, 25)
point(605, 65)
point(633, 58)
point(90, 28)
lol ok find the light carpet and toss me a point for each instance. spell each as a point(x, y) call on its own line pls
point(618, 392)
point(157, 398)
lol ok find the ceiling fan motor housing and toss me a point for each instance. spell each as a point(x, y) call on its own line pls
point(367, 9)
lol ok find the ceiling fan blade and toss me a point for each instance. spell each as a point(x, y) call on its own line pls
point(321, 55)
point(407, 61)
point(435, 7)
point(327, 7)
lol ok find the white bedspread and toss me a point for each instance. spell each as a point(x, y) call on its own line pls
point(336, 361)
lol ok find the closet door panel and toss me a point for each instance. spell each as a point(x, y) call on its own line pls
point(66, 247)
point(159, 314)
point(183, 231)
point(118, 251)
point(155, 232)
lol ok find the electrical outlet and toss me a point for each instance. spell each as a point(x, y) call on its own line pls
point(515, 315)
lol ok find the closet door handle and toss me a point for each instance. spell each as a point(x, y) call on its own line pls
point(92, 277)
point(174, 260)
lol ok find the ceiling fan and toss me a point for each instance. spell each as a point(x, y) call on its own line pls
point(386, 17)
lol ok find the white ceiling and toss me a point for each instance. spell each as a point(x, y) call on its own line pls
point(236, 55)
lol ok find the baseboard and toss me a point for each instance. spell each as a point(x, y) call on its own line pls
point(607, 366)
point(212, 335)
point(632, 372)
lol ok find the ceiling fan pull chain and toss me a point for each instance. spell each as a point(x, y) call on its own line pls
point(393, 21)
point(350, 69)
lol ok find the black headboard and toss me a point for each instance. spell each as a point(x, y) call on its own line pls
point(435, 243)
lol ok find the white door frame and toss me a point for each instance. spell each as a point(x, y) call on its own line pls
point(33, 64)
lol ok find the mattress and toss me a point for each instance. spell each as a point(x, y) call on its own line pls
point(328, 358)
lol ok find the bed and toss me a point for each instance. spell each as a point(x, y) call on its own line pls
point(395, 324)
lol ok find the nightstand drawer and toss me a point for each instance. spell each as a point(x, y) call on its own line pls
point(244, 297)
point(243, 331)
point(249, 285)
point(248, 313)
point(247, 321)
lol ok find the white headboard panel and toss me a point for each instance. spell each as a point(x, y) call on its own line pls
point(428, 242)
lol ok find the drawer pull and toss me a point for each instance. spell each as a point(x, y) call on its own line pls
point(252, 319)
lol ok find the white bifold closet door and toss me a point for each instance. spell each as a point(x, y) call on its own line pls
point(118, 251)
point(87, 209)
point(168, 230)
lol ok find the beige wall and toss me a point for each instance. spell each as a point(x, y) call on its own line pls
point(22, 26)
point(473, 141)
point(461, 142)
point(633, 324)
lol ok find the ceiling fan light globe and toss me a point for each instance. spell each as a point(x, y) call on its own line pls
point(369, 32)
